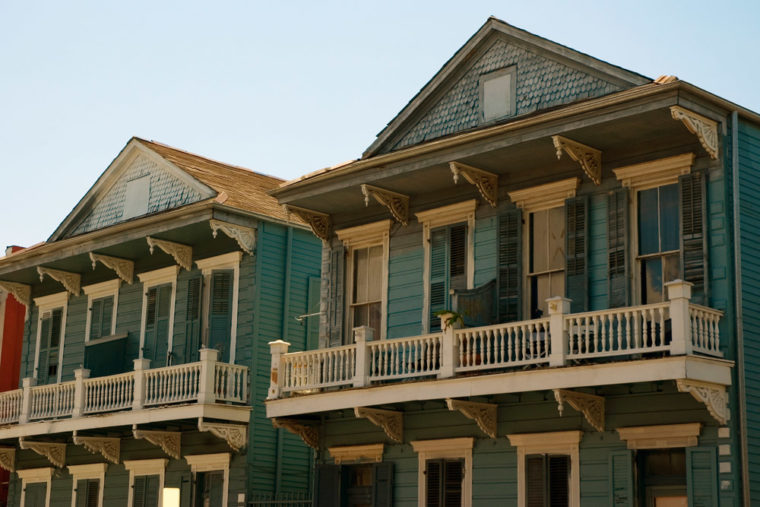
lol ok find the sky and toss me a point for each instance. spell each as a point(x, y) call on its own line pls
point(287, 87)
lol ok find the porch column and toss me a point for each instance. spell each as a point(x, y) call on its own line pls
point(362, 335)
point(138, 397)
point(679, 294)
point(80, 375)
point(449, 346)
point(206, 391)
point(559, 338)
point(26, 399)
point(276, 348)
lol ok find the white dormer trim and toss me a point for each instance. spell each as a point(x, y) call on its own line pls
point(45, 304)
point(151, 279)
point(655, 173)
point(81, 472)
point(547, 196)
point(97, 291)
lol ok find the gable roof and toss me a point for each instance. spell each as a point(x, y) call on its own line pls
point(453, 69)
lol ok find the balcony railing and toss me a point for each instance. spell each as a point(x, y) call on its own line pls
point(676, 327)
point(207, 381)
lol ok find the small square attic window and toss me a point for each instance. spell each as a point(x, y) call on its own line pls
point(136, 197)
point(497, 94)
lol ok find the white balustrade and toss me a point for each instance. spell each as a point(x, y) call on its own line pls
point(10, 406)
point(705, 329)
point(172, 384)
point(405, 357)
point(52, 401)
point(231, 382)
point(105, 394)
point(503, 345)
point(317, 368)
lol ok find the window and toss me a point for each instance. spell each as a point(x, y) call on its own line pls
point(444, 472)
point(102, 302)
point(548, 468)
point(659, 254)
point(157, 329)
point(211, 475)
point(546, 267)
point(146, 480)
point(35, 486)
point(221, 279)
point(136, 197)
point(51, 326)
point(497, 94)
point(87, 490)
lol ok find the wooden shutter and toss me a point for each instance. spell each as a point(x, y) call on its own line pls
point(220, 313)
point(457, 257)
point(701, 476)
point(576, 247)
point(328, 485)
point(453, 475)
point(382, 484)
point(693, 240)
point(43, 353)
point(312, 309)
point(105, 320)
point(617, 248)
point(151, 310)
point(145, 492)
point(186, 490)
point(621, 479)
point(510, 254)
point(34, 494)
point(535, 480)
point(138, 491)
point(96, 312)
point(87, 492)
point(438, 272)
point(192, 320)
point(558, 472)
point(434, 482)
point(335, 281)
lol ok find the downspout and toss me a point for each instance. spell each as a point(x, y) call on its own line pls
point(739, 312)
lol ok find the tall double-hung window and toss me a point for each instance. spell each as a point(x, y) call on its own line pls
point(157, 327)
point(51, 326)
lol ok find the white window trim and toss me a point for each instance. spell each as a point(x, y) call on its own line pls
point(439, 217)
point(82, 472)
point(559, 442)
point(363, 236)
point(226, 261)
point(97, 291)
point(447, 448)
point(371, 453)
point(32, 476)
point(549, 195)
point(151, 279)
point(211, 463)
point(662, 436)
point(45, 304)
point(141, 467)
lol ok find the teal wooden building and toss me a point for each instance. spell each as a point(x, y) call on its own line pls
point(145, 360)
point(539, 287)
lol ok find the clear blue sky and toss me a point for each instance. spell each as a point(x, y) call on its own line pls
point(287, 87)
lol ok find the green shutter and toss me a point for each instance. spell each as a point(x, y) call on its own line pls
point(186, 490)
point(34, 494)
point(693, 243)
point(617, 247)
point(157, 324)
point(328, 485)
point(576, 247)
point(81, 493)
point(42, 353)
point(312, 309)
point(96, 312)
point(438, 275)
point(510, 254)
point(105, 320)
point(192, 321)
point(335, 297)
point(535, 480)
point(434, 482)
point(621, 479)
point(220, 313)
point(382, 484)
point(453, 474)
point(701, 476)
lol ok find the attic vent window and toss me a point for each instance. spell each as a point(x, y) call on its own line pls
point(497, 94)
point(136, 197)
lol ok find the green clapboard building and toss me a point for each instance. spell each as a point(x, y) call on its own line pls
point(540, 286)
point(145, 361)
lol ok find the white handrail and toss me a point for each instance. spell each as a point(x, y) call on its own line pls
point(318, 368)
point(231, 382)
point(705, 330)
point(172, 384)
point(502, 345)
point(405, 357)
point(104, 394)
point(52, 401)
point(10, 406)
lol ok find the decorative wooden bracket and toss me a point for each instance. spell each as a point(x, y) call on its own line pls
point(8, 458)
point(487, 183)
point(591, 406)
point(391, 421)
point(482, 413)
point(109, 448)
point(169, 441)
point(236, 435)
point(319, 222)
point(589, 158)
point(705, 129)
point(183, 254)
point(21, 291)
point(397, 204)
point(309, 434)
point(72, 282)
point(245, 236)
point(55, 453)
point(124, 269)
point(714, 396)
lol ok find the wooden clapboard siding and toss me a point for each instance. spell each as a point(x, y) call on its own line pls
point(405, 288)
point(486, 249)
point(597, 254)
point(73, 342)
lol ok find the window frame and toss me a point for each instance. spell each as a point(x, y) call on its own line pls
point(511, 94)
point(447, 448)
point(151, 279)
point(87, 472)
point(558, 442)
point(34, 476)
point(207, 266)
point(211, 463)
point(48, 304)
point(100, 291)
point(142, 467)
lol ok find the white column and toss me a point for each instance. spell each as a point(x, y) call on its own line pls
point(679, 294)
point(362, 335)
point(80, 375)
point(276, 348)
point(138, 399)
point(206, 392)
point(449, 346)
point(26, 400)
point(559, 338)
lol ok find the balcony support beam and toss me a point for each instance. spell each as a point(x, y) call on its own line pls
point(486, 182)
point(109, 448)
point(714, 396)
point(124, 268)
point(168, 441)
point(484, 414)
point(236, 435)
point(54, 452)
point(397, 204)
point(320, 223)
point(8, 459)
point(590, 159)
point(72, 282)
point(591, 406)
point(182, 254)
point(705, 129)
point(245, 236)
point(308, 433)
point(391, 421)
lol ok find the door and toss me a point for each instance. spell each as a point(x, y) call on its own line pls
point(50, 340)
point(220, 313)
point(157, 324)
point(189, 352)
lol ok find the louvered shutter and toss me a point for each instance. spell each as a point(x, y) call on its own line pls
point(382, 484)
point(336, 296)
point(617, 248)
point(185, 490)
point(701, 477)
point(82, 493)
point(434, 482)
point(438, 272)
point(535, 480)
point(151, 491)
point(220, 313)
point(192, 320)
point(106, 316)
point(693, 240)
point(328, 485)
point(453, 476)
point(34, 494)
point(457, 257)
point(559, 480)
point(576, 247)
point(149, 344)
point(510, 254)
point(621, 479)
point(138, 491)
point(96, 312)
point(43, 353)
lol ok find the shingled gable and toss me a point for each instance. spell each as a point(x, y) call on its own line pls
point(547, 75)
point(177, 178)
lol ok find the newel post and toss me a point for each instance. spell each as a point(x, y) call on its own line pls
point(276, 348)
point(679, 294)
point(559, 337)
point(26, 400)
point(138, 399)
point(362, 335)
point(449, 346)
point(80, 375)
point(206, 391)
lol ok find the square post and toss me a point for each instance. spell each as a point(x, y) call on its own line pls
point(277, 349)
point(363, 335)
point(26, 399)
point(679, 294)
point(558, 335)
point(80, 375)
point(138, 397)
point(449, 353)
point(206, 387)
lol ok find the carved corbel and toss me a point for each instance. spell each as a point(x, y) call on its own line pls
point(182, 254)
point(109, 448)
point(236, 435)
point(590, 159)
point(8, 458)
point(21, 291)
point(487, 183)
point(591, 406)
point(319, 222)
point(397, 204)
point(245, 236)
point(714, 396)
point(55, 453)
point(705, 129)
point(124, 268)
point(308, 433)
point(482, 413)
point(169, 441)
point(391, 421)
point(72, 282)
